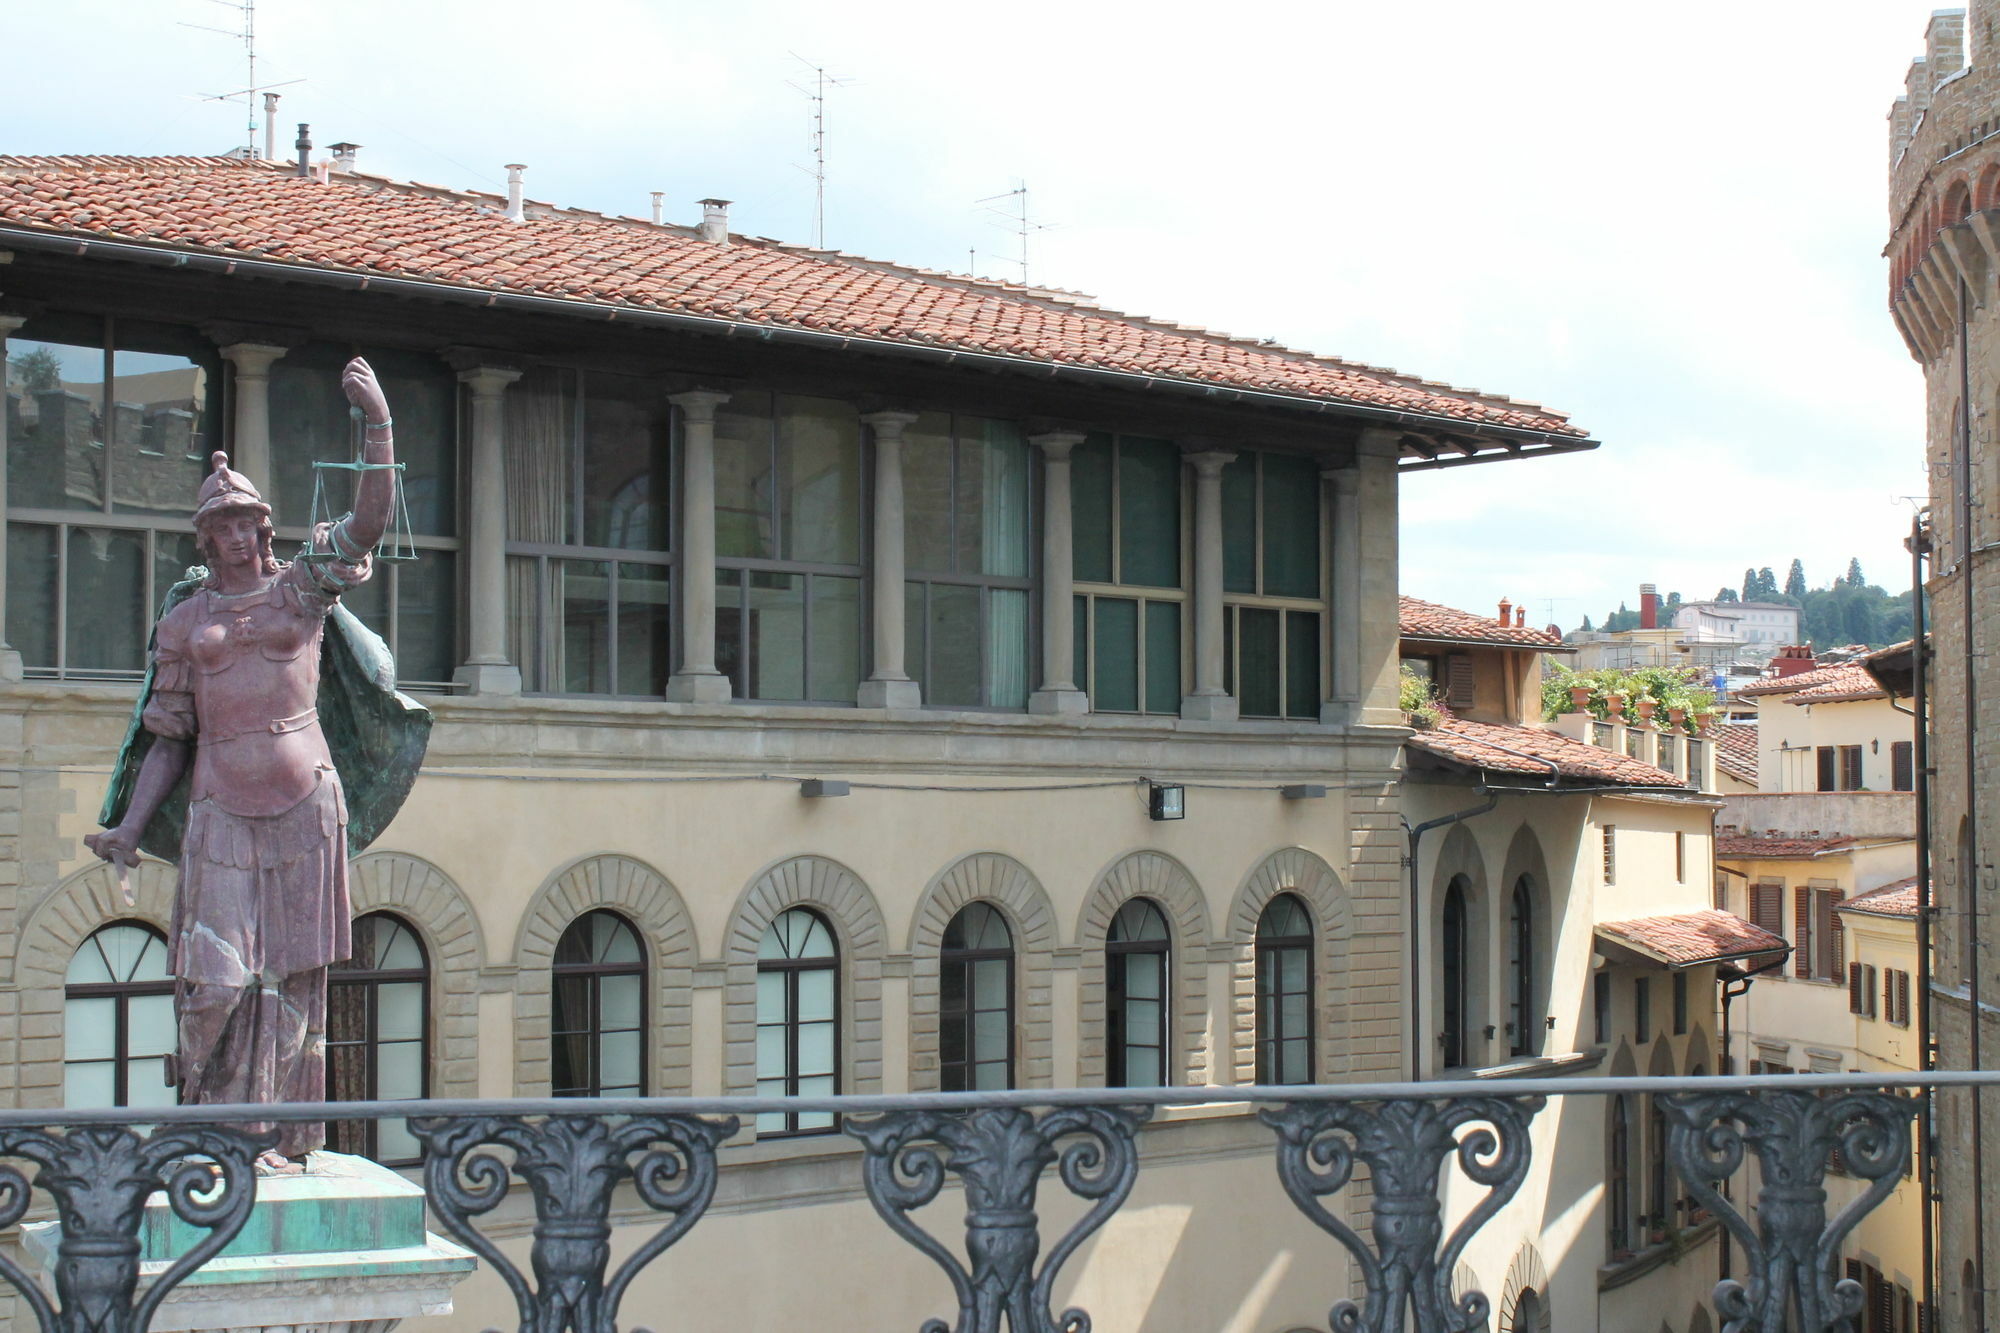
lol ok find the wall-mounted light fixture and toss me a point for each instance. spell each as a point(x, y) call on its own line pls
point(822, 787)
point(1303, 791)
point(1166, 801)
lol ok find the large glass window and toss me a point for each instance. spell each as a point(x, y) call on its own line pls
point(589, 504)
point(1452, 963)
point(1137, 959)
point(118, 1020)
point(109, 426)
point(1524, 1026)
point(597, 1015)
point(1273, 608)
point(798, 1019)
point(1284, 992)
point(966, 506)
point(1125, 501)
point(976, 1002)
point(378, 1036)
point(788, 548)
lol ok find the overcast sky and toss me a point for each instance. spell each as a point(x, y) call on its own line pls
point(1666, 222)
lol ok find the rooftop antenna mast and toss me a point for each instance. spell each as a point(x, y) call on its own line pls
point(247, 34)
point(1012, 209)
point(815, 92)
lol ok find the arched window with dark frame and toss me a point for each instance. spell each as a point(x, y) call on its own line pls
point(597, 1009)
point(1138, 965)
point(1524, 1026)
point(1617, 1182)
point(378, 1036)
point(1455, 935)
point(1284, 992)
point(976, 1001)
point(118, 1019)
point(798, 1019)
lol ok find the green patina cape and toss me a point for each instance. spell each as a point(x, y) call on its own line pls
point(377, 735)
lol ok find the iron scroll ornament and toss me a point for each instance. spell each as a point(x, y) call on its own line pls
point(100, 1177)
point(1405, 1145)
point(999, 1153)
point(1790, 1254)
point(572, 1164)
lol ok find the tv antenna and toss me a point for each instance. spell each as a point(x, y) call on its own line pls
point(1011, 209)
point(247, 34)
point(815, 92)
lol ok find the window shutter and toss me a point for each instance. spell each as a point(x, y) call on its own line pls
point(1902, 765)
point(1802, 915)
point(1868, 987)
point(1767, 910)
point(1828, 774)
point(1854, 988)
point(1458, 682)
point(1903, 998)
point(1832, 941)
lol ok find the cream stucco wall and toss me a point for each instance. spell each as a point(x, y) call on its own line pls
point(1787, 734)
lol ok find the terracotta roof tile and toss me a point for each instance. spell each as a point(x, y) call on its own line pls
point(1428, 620)
point(1478, 745)
point(367, 224)
point(1843, 678)
point(1775, 847)
point(1841, 684)
point(1898, 899)
point(1736, 750)
point(1685, 939)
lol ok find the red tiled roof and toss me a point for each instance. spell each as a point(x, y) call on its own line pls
point(1428, 620)
point(1840, 684)
point(1478, 745)
point(1846, 675)
point(1736, 750)
point(368, 225)
point(1775, 847)
point(1898, 899)
point(1686, 939)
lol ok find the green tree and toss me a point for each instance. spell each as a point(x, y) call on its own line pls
point(1795, 581)
point(1767, 584)
point(1725, 594)
point(1750, 584)
point(1585, 627)
point(39, 370)
point(1621, 620)
point(1854, 579)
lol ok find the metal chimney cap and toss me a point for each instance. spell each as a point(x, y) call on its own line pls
point(715, 203)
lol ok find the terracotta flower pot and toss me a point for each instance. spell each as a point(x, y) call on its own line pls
point(1579, 698)
point(1677, 715)
point(1646, 707)
point(1616, 702)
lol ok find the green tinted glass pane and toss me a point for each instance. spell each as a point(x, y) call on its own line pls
point(745, 519)
point(993, 497)
point(540, 411)
point(626, 483)
point(426, 631)
point(309, 423)
point(771, 611)
point(1291, 526)
point(31, 594)
point(1116, 686)
point(524, 623)
point(105, 629)
point(1257, 662)
point(1149, 512)
point(173, 553)
point(1007, 647)
point(927, 494)
point(913, 636)
point(954, 639)
point(423, 394)
point(1239, 524)
point(1301, 664)
point(1163, 657)
point(819, 470)
point(836, 638)
point(165, 395)
point(54, 406)
point(1090, 509)
point(643, 623)
point(90, 1028)
point(583, 613)
point(1080, 642)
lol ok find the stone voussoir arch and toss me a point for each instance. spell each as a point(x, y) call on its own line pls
point(418, 892)
point(1308, 877)
point(1013, 889)
point(840, 896)
point(643, 897)
point(51, 934)
point(1154, 875)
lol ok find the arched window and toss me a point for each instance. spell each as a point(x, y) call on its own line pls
point(597, 1009)
point(118, 1020)
point(1137, 965)
point(1452, 962)
point(1657, 1180)
point(976, 1001)
point(378, 1036)
point(798, 1025)
point(1284, 992)
point(1523, 1025)
point(1617, 1184)
point(1531, 1312)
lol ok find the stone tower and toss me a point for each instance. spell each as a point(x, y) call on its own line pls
point(1944, 257)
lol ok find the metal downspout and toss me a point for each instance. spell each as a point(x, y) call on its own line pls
point(1416, 836)
point(1969, 872)
point(1921, 763)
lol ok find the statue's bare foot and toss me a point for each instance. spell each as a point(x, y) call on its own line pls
point(271, 1162)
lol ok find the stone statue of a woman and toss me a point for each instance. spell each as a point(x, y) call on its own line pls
point(253, 713)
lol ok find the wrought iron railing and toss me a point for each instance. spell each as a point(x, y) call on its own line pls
point(96, 1170)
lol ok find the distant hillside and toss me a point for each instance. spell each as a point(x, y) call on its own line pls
point(1848, 610)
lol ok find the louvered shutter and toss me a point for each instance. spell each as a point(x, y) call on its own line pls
point(1868, 986)
point(1903, 998)
point(1767, 910)
point(1854, 988)
point(1832, 941)
point(1458, 680)
point(1802, 917)
point(1881, 1301)
point(1889, 975)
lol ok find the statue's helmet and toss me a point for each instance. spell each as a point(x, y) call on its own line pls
point(226, 489)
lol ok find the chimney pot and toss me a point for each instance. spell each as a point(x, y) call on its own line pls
point(1520, 617)
point(715, 220)
point(1506, 611)
point(517, 205)
point(343, 157)
point(305, 147)
point(1649, 606)
point(659, 209)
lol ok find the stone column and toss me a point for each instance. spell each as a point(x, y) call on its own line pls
point(1209, 701)
point(486, 669)
point(1058, 693)
point(250, 440)
point(1344, 583)
point(888, 685)
point(10, 660)
point(697, 680)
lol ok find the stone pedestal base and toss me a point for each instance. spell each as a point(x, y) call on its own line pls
point(707, 687)
point(340, 1249)
point(889, 694)
point(1056, 703)
point(1217, 707)
point(487, 678)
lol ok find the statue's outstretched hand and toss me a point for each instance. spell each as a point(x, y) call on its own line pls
point(119, 846)
point(359, 384)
